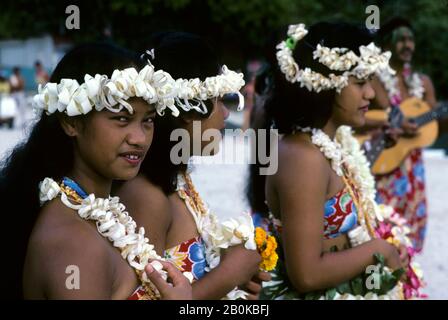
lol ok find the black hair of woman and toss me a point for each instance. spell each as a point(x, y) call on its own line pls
point(46, 152)
point(198, 60)
point(290, 105)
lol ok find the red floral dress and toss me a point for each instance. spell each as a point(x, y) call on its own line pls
point(340, 215)
point(187, 256)
point(404, 190)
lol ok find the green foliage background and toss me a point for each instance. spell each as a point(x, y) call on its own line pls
point(240, 29)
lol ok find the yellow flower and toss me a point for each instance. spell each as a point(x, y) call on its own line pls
point(266, 253)
point(273, 258)
point(266, 246)
point(260, 237)
point(270, 264)
point(271, 245)
point(273, 241)
point(394, 241)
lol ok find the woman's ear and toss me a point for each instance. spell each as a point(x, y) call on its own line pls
point(69, 125)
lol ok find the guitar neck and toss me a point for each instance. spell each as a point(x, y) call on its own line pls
point(429, 116)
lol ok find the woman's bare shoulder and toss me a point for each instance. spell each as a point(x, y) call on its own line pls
point(300, 163)
point(296, 151)
point(60, 239)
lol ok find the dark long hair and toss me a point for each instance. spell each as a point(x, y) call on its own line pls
point(289, 105)
point(47, 152)
point(186, 56)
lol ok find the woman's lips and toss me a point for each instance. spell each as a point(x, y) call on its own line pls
point(133, 158)
point(364, 109)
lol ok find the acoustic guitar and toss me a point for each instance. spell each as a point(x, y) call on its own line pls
point(384, 160)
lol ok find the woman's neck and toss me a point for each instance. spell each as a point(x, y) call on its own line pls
point(90, 181)
point(330, 129)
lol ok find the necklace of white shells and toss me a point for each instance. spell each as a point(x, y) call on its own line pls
point(390, 82)
point(348, 161)
point(114, 223)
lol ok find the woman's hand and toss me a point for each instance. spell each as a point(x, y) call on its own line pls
point(404, 255)
point(246, 260)
point(254, 286)
point(176, 287)
point(405, 259)
point(391, 255)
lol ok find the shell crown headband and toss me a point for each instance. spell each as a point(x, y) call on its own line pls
point(370, 61)
point(154, 86)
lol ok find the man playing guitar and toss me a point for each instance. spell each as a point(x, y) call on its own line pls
point(404, 187)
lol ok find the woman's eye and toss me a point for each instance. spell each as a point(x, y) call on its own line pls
point(121, 119)
point(149, 120)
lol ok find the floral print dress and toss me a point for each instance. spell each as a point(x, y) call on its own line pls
point(189, 256)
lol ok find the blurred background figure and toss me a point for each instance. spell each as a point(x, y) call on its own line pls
point(17, 84)
point(404, 188)
point(41, 76)
point(7, 104)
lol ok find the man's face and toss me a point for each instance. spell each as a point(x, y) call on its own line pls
point(403, 44)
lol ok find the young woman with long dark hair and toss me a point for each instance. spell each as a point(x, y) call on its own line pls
point(320, 203)
point(165, 200)
point(66, 236)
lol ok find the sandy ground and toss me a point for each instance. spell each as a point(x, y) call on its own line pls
point(223, 188)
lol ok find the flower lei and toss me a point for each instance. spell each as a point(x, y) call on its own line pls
point(338, 59)
point(412, 80)
point(155, 87)
point(376, 221)
point(266, 246)
point(217, 236)
point(113, 223)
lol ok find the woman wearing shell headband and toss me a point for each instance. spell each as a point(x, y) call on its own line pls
point(220, 254)
point(335, 241)
point(63, 225)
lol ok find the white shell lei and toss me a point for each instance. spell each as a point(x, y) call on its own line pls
point(218, 236)
point(155, 87)
point(114, 223)
point(371, 60)
point(390, 82)
point(331, 149)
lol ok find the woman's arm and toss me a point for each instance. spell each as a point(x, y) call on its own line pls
point(301, 184)
point(150, 208)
